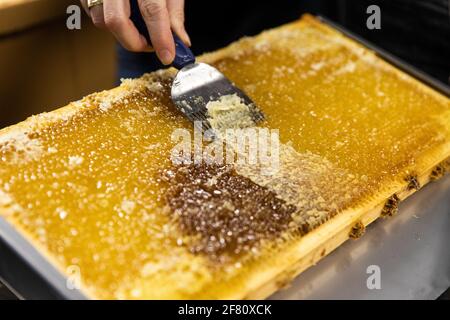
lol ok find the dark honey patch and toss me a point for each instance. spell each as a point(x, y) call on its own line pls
point(357, 231)
point(391, 206)
point(323, 253)
point(223, 212)
point(413, 182)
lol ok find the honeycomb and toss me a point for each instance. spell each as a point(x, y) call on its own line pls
point(93, 185)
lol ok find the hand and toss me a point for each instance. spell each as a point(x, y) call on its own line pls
point(160, 16)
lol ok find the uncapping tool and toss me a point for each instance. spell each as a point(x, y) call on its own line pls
point(198, 83)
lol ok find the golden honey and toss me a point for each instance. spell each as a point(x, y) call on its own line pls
point(95, 188)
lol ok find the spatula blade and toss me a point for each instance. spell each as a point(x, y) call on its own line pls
point(197, 84)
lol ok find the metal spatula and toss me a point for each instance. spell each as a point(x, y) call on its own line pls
point(196, 84)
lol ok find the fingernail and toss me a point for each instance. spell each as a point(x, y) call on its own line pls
point(165, 56)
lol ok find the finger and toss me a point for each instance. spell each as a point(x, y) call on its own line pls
point(176, 14)
point(157, 19)
point(117, 20)
point(97, 16)
point(85, 7)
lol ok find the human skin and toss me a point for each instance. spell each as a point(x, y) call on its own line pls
point(161, 17)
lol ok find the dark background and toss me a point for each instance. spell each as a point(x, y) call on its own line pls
point(417, 31)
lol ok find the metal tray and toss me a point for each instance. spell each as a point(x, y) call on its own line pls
point(31, 276)
point(410, 250)
point(27, 272)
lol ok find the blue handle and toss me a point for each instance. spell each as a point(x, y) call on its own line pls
point(183, 55)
